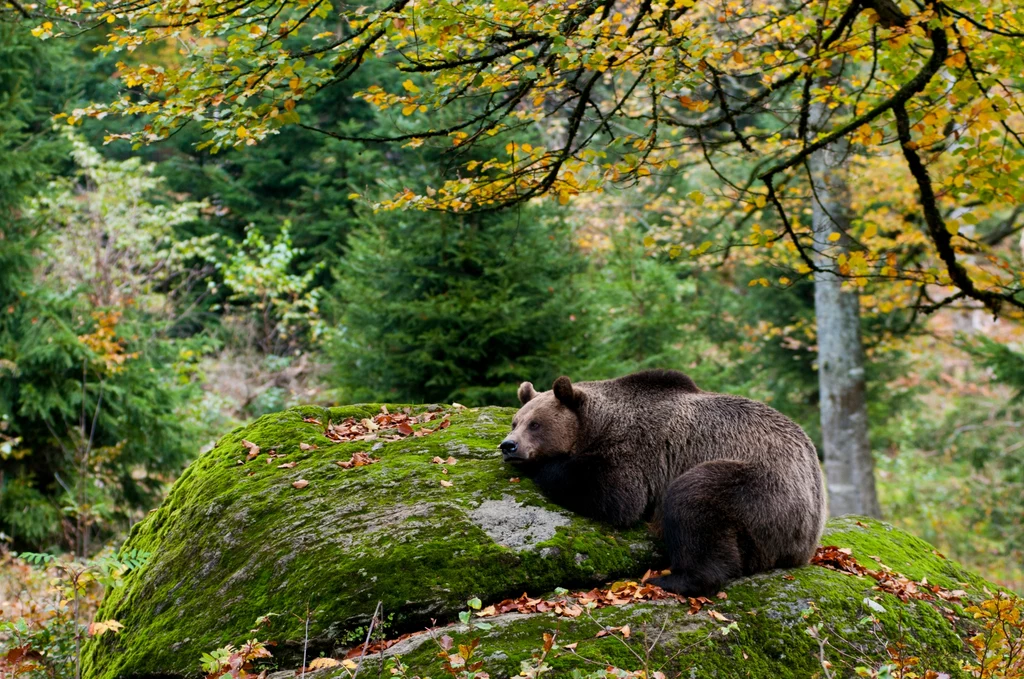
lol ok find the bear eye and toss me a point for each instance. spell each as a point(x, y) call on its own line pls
point(534, 425)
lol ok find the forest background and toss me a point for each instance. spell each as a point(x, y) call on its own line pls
point(153, 298)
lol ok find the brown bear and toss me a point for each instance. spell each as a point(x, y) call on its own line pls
point(732, 485)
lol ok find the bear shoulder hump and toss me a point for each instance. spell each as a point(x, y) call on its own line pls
point(659, 380)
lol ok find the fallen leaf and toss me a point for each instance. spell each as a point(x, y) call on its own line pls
point(287, 465)
point(404, 429)
point(97, 628)
point(625, 631)
point(311, 419)
point(358, 459)
point(323, 663)
point(514, 479)
point(721, 595)
point(437, 460)
point(300, 484)
point(254, 449)
point(447, 484)
point(718, 616)
point(572, 646)
point(306, 446)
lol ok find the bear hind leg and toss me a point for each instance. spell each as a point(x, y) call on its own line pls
point(705, 545)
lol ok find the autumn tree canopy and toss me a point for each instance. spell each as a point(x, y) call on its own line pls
point(566, 98)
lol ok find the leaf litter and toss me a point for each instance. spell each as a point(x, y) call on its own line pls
point(385, 426)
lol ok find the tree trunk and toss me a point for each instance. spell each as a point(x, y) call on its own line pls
point(849, 466)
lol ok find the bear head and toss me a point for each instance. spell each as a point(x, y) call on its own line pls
point(546, 425)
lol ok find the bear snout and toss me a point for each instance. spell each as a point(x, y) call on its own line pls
point(510, 450)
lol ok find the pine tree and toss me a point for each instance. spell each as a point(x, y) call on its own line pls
point(457, 308)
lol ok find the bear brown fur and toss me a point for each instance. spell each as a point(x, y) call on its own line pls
point(734, 485)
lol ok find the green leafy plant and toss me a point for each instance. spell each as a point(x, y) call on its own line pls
point(53, 648)
point(236, 663)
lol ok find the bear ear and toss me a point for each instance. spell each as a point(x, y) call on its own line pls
point(566, 393)
point(526, 392)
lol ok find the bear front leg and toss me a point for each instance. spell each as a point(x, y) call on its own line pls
point(592, 489)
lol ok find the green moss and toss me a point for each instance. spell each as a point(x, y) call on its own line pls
point(873, 541)
point(235, 540)
point(772, 612)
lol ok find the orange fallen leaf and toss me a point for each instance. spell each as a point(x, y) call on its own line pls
point(254, 449)
point(359, 459)
point(306, 446)
point(287, 465)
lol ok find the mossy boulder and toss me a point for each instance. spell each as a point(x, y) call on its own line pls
point(760, 630)
point(236, 540)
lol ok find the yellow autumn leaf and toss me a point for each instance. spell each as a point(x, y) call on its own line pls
point(242, 132)
point(410, 86)
point(98, 628)
point(833, 237)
